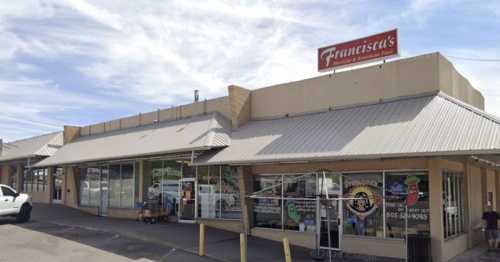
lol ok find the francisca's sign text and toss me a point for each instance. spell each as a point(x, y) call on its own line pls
point(366, 49)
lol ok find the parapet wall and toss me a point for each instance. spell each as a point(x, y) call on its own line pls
point(399, 78)
point(405, 77)
point(220, 105)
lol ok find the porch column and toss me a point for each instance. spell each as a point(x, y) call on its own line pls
point(246, 188)
point(71, 187)
point(140, 166)
point(5, 173)
point(50, 183)
point(436, 208)
point(19, 177)
point(468, 203)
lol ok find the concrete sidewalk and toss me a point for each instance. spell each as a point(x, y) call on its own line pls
point(478, 254)
point(221, 245)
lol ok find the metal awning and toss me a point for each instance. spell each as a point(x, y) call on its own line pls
point(184, 135)
point(426, 125)
point(39, 146)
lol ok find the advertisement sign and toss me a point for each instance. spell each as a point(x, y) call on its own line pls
point(367, 49)
point(363, 196)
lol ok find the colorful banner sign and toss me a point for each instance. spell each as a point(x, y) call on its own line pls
point(371, 48)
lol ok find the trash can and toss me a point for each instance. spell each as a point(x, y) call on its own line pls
point(419, 248)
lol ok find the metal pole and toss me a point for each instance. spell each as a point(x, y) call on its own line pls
point(286, 248)
point(201, 251)
point(328, 221)
point(243, 247)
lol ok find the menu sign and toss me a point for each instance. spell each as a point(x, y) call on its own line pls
point(371, 48)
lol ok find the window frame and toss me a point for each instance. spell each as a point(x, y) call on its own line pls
point(282, 197)
point(343, 174)
point(216, 171)
point(453, 184)
point(107, 166)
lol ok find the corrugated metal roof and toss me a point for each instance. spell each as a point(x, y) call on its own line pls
point(44, 145)
point(432, 124)
point(195, 133)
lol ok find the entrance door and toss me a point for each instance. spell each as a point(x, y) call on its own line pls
point(103, 208)
point(187, 207)
point(329, 216)
point(330, 224)
point(57, 185)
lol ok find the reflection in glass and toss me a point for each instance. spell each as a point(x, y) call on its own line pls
point(396, 199)
point(363, 212)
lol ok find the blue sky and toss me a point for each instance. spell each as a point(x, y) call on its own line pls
point(81, 62)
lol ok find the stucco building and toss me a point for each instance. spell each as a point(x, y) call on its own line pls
point(335, 158)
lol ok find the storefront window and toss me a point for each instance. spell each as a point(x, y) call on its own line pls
point(453, 203)
point(127, 186)
point(299, 196)
point(218, 193)
point(267, 206)
point(35, 180)
point(207, 184)
point(406, 189)
point(114, 186)
point(167, 175)
point(363, 208)
point(84, 188)
point(230, 203)
point(93, 176)
point(121, 186)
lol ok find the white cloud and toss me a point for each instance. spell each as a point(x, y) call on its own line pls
point(25, 104)
point(157, 52)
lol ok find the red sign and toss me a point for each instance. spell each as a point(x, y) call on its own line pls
point(365, 49)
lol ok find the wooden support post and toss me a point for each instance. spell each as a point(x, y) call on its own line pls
point(201, 250)
point(243, 247)
point(286, 249)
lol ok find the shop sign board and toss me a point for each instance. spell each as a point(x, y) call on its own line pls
point(368, 49)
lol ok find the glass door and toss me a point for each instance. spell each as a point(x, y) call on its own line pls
point(329, 214)
point(57, 185)
point(187, 207)
point(330, 224)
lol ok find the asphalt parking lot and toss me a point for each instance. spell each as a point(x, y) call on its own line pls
point(50, 242)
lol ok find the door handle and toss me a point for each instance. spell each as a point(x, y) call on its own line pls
point(6, 200)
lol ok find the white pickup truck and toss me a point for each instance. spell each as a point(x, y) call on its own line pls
point(14, 204)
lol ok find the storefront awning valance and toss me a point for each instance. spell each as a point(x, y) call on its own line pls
point(184, 135)
point(425, 125)
point(44, 145)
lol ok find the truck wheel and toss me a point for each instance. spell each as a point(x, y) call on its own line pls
point(25, 214)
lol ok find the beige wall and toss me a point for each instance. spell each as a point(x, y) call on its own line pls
point(456, 85)
point(5, 171)
point(40, 197)
point(71, 193)
point(394, 248)
point(454, 247)
point(476, 204)
point(403, 77)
